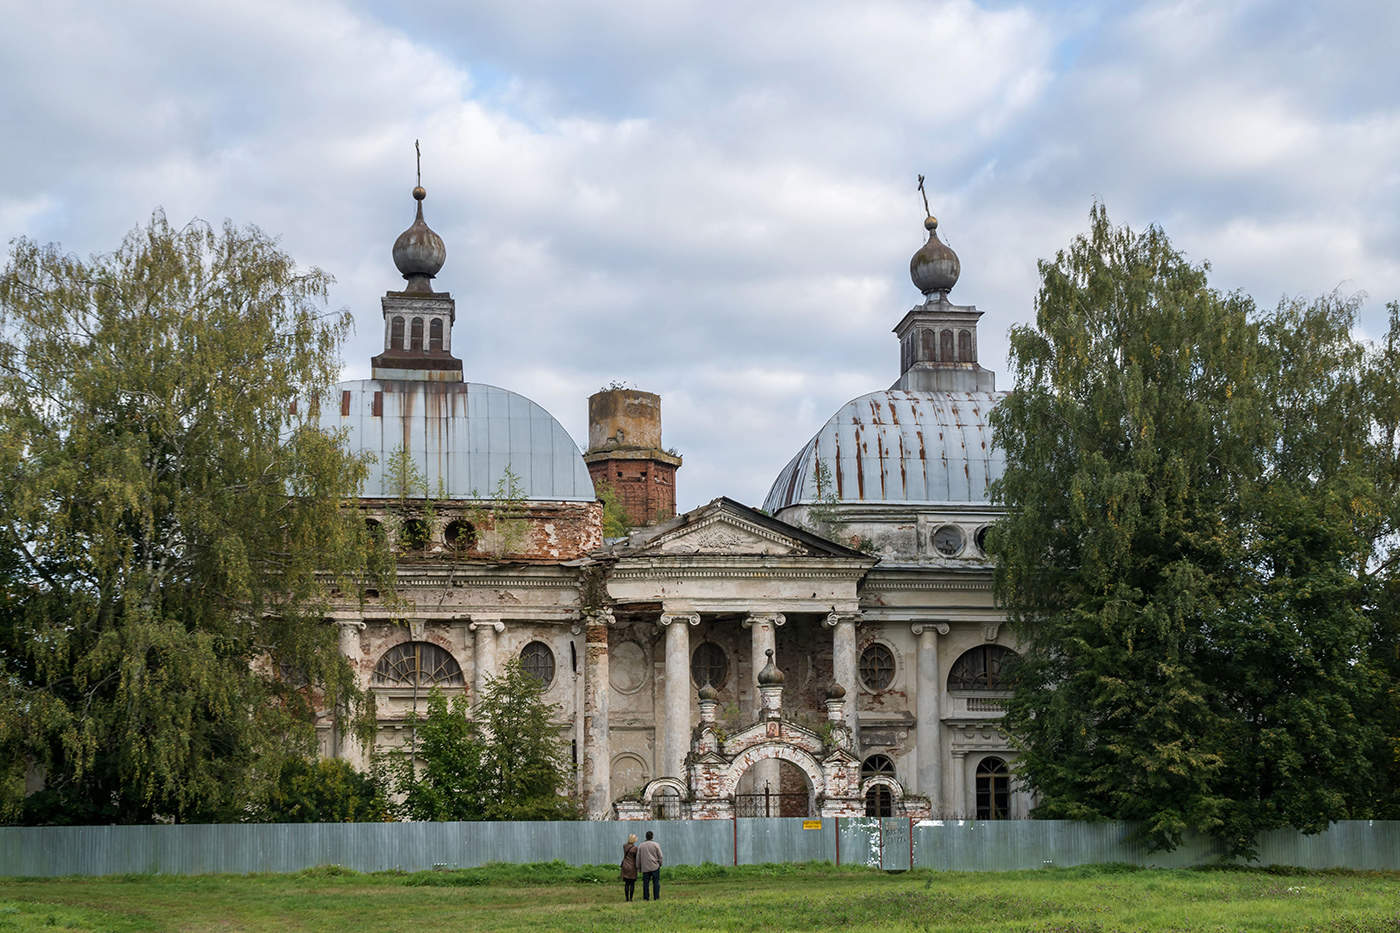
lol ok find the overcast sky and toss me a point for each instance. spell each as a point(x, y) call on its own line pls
point(714, 201)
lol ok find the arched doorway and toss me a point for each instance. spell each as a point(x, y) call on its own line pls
point(790, 795)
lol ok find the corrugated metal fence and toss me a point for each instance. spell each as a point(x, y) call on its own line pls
point(892, 844)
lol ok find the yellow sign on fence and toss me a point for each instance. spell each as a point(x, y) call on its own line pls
point(811, 824)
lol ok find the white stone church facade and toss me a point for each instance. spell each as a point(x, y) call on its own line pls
point(836, 653)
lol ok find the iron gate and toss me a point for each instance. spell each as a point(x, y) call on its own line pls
point(772, 803)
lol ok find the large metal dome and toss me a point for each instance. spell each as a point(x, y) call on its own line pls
point(898, 447)
point(462, 437)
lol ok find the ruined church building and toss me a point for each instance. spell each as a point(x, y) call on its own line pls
point(837, 653)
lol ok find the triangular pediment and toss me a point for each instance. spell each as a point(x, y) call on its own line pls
point(724, 534)
point(727, 528)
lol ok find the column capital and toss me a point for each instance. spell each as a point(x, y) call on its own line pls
point(356, 624)
point(693, 618)
point(602, 616)
point(481, 622)
point(959, 752)
point(933, 628)
point(834, 618)
point(774, 619)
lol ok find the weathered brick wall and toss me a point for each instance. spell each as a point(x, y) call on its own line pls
point(646, 489)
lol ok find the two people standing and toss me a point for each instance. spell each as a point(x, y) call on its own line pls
point(644, 858)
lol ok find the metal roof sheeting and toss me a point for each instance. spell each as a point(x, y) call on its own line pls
point(897, 446)
point(462, 436)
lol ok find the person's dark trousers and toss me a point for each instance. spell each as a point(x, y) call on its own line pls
point(629, 885)
point(651, 882)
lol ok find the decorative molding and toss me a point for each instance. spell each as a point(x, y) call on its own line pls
point(738, 573)
point(416, 628)
point(599, 617)
point(990, 630)
point(929, 585)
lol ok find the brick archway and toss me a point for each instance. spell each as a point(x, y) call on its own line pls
point(765, 751)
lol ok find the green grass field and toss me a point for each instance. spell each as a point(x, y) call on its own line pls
point(768, 897)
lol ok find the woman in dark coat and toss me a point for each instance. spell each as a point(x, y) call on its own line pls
point(629, 866)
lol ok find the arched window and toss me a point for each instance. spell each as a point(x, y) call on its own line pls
point(374, 531)
point(879, 801)
point(666, 804)
point(396, 333)
point(877, 764)
point(417, 664)
point(993, 790)
point(964, 347)
point(708, 664)
point(877, 666)
point(415, 334)
point(538, 661)
point(927, 339)
point(980, 668)
point(435, 334)
point(945, 346)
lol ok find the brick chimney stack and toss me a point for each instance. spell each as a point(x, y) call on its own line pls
point(624, 452)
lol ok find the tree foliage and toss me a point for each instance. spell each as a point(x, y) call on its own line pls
point(171, 520)
point(503, 760)
point(1197, 500)
point(326, 790)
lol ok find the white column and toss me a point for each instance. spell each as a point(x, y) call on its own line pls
point(843, 667)
point(959, 784)
point(484, 657)
point(764, 628)
point(677, 697)
point(597, 747)
point(928, 728)
point(349, 640)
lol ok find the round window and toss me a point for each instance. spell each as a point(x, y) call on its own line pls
point(709, 665)
point(948, 540)
point(538, 661)
point(460, 535)
point(414, 534)
point(980, 539)
point(877, 666)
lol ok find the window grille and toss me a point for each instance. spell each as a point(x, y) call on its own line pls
point(709, 665)
point(980, 668)
point(417, 664)
point(538, 661)
point(877, 764)
point(879, 801)
point(877, 666)
point(993, 790)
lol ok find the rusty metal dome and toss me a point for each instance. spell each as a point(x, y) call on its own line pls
point(419, 253)
point(770, 676)
point(935, 267)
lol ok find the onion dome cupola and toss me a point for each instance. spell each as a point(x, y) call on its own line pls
point(770, 676)
point(935, 267)
point(418, 321)
point(419, 252)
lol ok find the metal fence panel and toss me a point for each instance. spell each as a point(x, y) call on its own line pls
point(958, 845)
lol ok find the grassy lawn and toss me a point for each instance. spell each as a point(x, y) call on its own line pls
point(782, 897)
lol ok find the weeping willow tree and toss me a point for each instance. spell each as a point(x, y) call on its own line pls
point(1201, 508)
point(171, 523)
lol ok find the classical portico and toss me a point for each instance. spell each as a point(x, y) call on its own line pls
point(734, 586)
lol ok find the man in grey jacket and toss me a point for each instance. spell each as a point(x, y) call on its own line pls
point(649, 864)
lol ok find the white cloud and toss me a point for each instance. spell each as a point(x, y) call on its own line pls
point(714, 205)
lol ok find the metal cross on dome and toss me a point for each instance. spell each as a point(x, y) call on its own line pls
point(925, 196)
